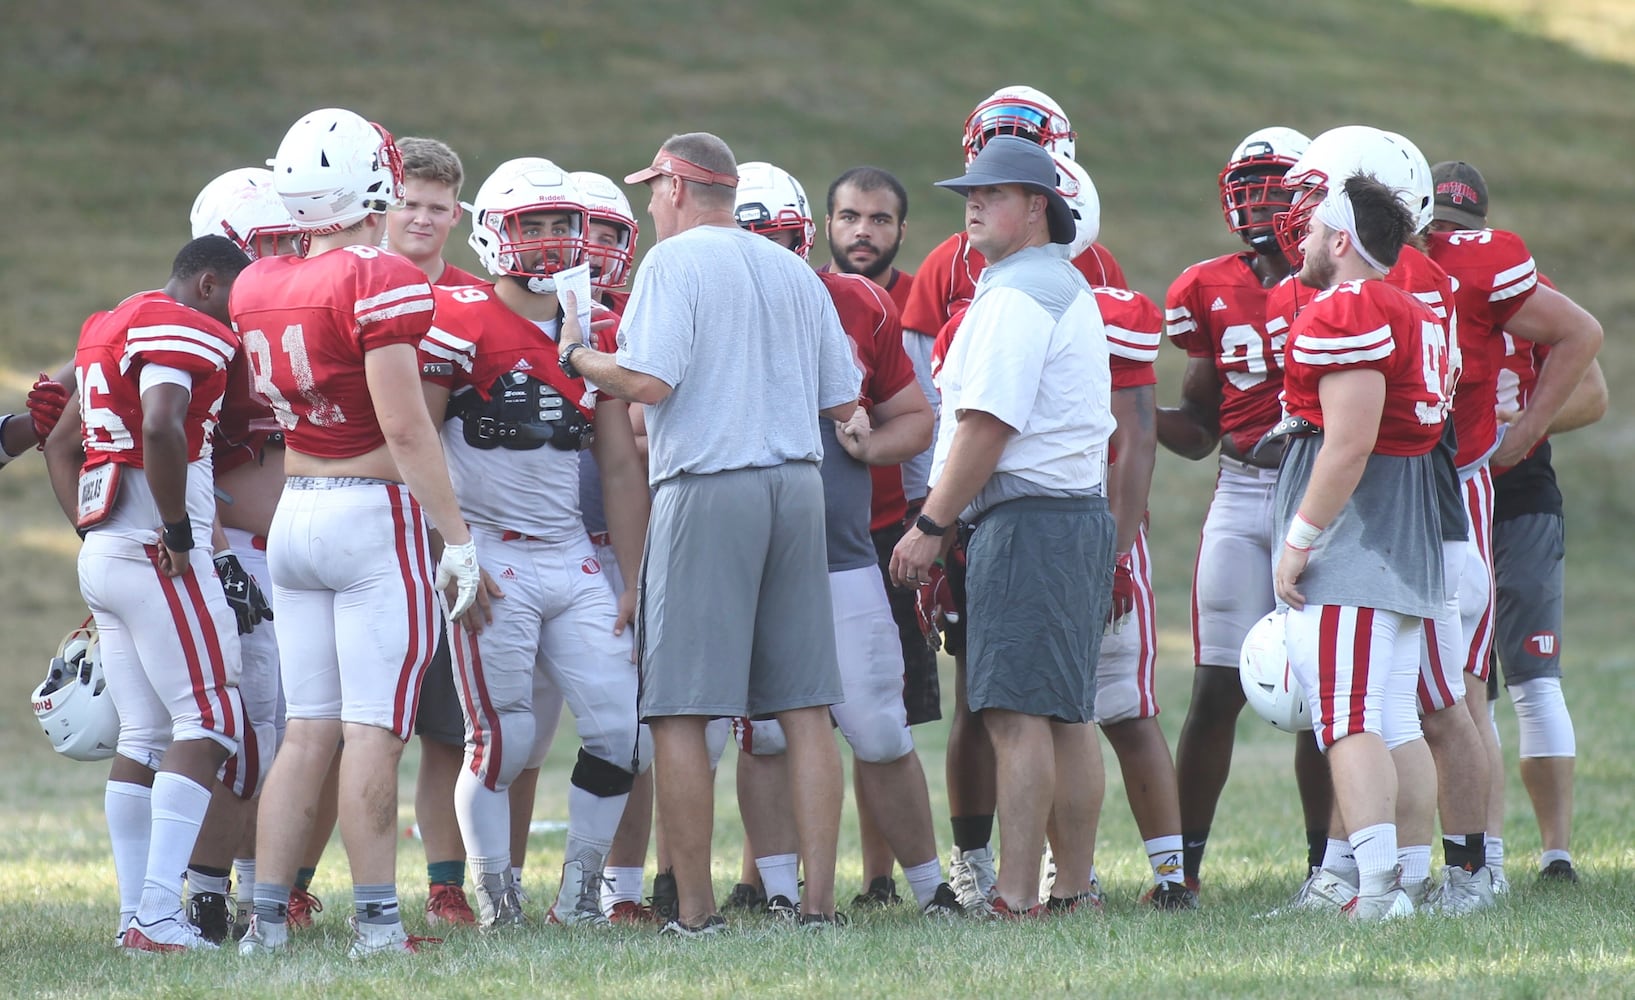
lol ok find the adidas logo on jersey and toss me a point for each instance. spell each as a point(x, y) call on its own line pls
point(1218, 305)
point(509, 574)
point(522, 365)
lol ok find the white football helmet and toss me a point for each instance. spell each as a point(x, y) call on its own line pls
point(528, 186)
point(1253, 179)
point(1334, 157)
point(242, 205)
point(1073, 183)
point(1268, 684)
point(605, 202)
point(73, 705)
point(1024, 111)
point(334, 168)
point(771, 201)
point(1423, 193)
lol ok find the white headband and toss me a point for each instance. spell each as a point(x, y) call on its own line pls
point(1337, 213)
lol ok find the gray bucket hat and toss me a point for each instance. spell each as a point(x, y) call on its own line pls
point(1007, 159)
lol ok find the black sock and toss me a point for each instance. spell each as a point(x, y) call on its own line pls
point(972, 832)
point(1192, 852)
point(1467, 851)
point(1316, 847)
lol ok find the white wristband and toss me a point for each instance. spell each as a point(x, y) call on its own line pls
point(1302, 534)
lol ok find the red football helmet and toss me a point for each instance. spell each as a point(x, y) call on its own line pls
point(1251, 184)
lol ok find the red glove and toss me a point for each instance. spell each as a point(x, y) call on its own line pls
point(1123, 588)
point(934, 604)
point(45, 403)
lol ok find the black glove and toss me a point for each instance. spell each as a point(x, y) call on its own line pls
point(248, 603)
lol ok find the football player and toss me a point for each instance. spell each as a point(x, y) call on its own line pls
point(1364, 387)
point(1453, 773)
point(943, 285)
point(151, 375)
point(893, 423)
point(247, 456)
point(865, 222)
point(333, 340)
point(419, 229)
point(1511, 317)
point(517, 417)
point(1216, 312)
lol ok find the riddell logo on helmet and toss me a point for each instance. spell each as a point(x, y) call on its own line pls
point(1458, 192)
point(43, 705)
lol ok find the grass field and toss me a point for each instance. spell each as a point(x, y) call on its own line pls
point(114, 116)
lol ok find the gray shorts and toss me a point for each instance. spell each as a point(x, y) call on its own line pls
point(1038, 585)
point(734, 613)
point(1529, 554)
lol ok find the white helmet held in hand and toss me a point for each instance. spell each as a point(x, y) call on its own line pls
point(605, 202)
point(334, 168)
point(529, 206)
point(770, 202)
point(1021, 111)
point(1268, 683)
point(242, 205)
point(73, 705)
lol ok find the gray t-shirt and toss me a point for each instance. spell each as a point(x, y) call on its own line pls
point(1384, 550)
point(749, 342)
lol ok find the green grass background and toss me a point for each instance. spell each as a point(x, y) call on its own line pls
point(113, 115)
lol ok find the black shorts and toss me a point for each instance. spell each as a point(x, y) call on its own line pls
point(922, 689)
point(439, 718)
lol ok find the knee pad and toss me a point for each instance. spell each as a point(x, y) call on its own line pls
point(716, 734)
point(1545, 727)
point(146, 745)
point(247, 768)
point(601, 778)
point(763, 738)
point(876, 734)
point(497, 762)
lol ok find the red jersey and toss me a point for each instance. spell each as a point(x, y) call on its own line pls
point(947, 280)
point(900, 287)
point(869, 317)
point(1216, 310)
point(1134, 330)
point(476, 339)
point(1371, 324)
point(307, 324)
point(149, 328)
point(1518, 368)
point(453, 276)
point(247, 422)
point(1493, 274)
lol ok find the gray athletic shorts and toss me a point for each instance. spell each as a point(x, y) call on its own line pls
point(438, 717)
point(1038, 585)
point(734, 613)
point(1529, 561)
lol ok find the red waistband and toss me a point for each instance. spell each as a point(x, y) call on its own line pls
point(601, 538)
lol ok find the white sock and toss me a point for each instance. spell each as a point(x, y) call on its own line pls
point(197, 881)
point(179, 805)
point(484, 815)
point(1164, 854)
point(923, 879)
point(1495, 851)
point(1375, 848)
point(129, 808)
point(1338, 859)
point(592, 821)
point(1552, 856)
point(622, 885)
point(780, 874)
point(1415, 861)
point(244, 875)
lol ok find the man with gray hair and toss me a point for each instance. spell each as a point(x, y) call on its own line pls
point(1019, 460)
point(735, 348)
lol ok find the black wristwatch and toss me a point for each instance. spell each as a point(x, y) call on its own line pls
point(930, 527)
point(565, 359)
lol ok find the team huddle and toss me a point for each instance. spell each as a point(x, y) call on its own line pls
point(747, 502)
